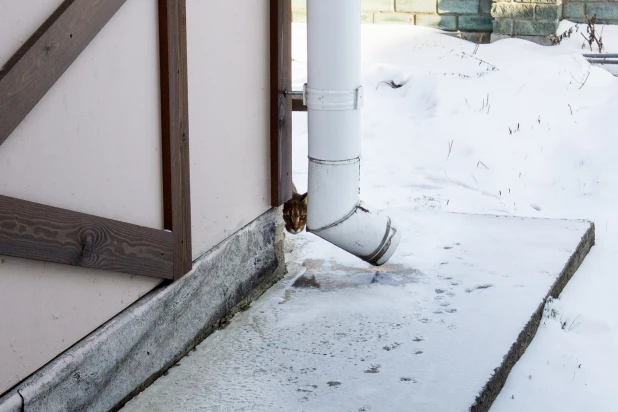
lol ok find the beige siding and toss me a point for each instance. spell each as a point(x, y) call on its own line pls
point(228, 45)
point(92, 144)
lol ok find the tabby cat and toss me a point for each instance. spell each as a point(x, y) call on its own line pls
point(295, 212)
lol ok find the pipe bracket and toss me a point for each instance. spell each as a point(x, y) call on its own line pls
point(320, 99)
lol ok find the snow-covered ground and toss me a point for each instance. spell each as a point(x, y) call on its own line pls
point(423, 333)
point(507, 128)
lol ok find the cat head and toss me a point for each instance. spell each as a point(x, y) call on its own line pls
point(295, 213)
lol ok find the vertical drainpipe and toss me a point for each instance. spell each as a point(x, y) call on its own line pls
point(333, 95)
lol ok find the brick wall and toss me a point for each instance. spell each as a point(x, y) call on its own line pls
point(463, 15)
point(533, 19)
point(606, 10)
point(522, 18)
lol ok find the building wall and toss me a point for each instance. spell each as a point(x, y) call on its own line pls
point(606, 10)
point(533, 18)
point(229, 106)
point(505, 18)
point(92, 145)
point(537, 19)
point(540, 17)
point(463, 15)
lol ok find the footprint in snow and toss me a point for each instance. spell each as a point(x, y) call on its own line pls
point(479, 287)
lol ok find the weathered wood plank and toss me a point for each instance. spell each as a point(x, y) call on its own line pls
point(281, 107)
point(40, 62)
point(175, 130)
point(297, 104)
point(35, 231)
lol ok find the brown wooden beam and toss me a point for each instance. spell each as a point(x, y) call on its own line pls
point(35, 231)
point(40, 62)
point(297, 104)
point(280, 106)
point(175, 130)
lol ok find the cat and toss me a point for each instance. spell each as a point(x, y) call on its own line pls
point(295, 212)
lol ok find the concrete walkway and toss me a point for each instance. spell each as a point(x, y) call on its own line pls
point(423, 333)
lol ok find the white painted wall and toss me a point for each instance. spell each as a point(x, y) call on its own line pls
point(228, 46)
point(46, 308)
point(92, 144)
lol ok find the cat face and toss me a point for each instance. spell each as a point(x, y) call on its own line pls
point(295, 213)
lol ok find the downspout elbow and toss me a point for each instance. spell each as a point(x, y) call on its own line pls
point(333, 95)
point(364, 233)
point(336, 214)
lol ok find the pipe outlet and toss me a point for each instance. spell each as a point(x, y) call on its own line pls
point(334, 96)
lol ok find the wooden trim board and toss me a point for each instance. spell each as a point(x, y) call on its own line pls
point(280, 106)
point(175, 130)
point(34, 231)
point(297, 104)
point(39, 63)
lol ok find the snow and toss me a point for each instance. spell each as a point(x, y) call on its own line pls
point(437, 319)
point(534, 137)
point(509, 128)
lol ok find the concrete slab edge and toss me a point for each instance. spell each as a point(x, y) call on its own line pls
point(492, 388)
point(114, 363)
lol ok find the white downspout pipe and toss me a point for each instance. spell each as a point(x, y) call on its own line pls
point(333, 96)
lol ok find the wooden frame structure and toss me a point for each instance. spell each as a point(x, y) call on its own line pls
point(281, 105)
point(175, 127)
point(35, 231)
point(298, 105)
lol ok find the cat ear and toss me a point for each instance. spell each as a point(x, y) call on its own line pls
point(304, 198)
